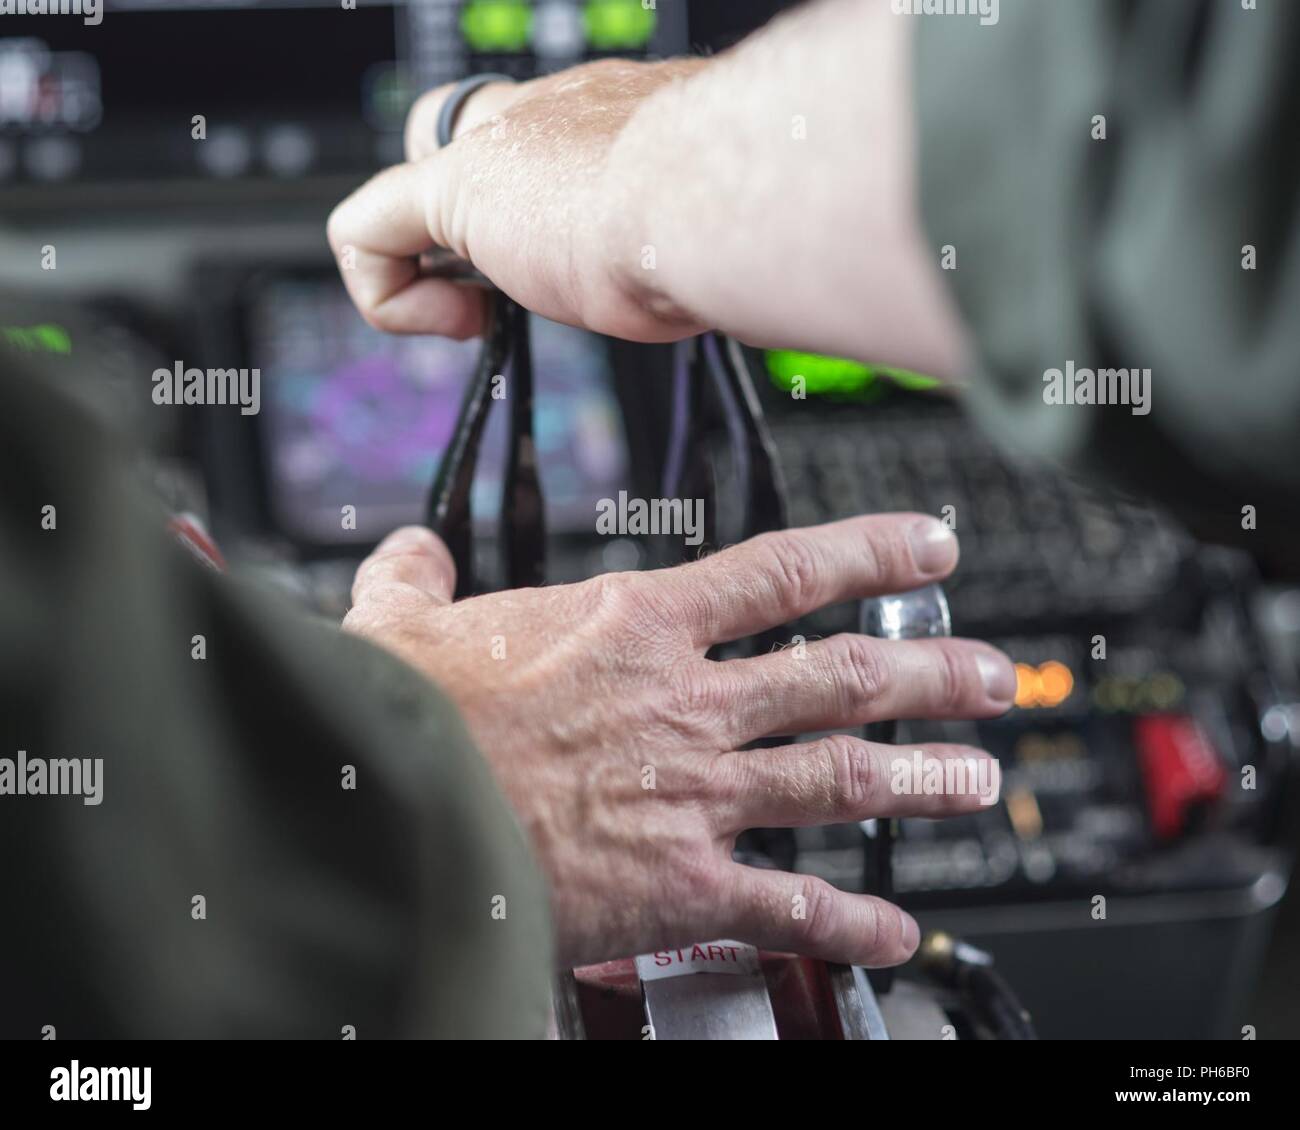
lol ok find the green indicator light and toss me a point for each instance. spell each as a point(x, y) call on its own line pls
point(389, 96)
point(822, 376)
point(47, 338)
point(497, 25)
point(618, 25)
point(835, 377)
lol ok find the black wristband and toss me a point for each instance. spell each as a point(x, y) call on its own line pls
point(456, 99)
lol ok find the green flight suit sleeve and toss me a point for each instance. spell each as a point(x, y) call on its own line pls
point(1170, 243)
point(406, 906)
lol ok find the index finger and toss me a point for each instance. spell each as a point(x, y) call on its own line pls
point(778, 577)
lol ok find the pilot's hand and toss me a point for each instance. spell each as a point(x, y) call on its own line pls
point(522, 194)
point(620, 746)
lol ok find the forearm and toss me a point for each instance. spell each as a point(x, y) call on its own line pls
point(772, 194)
point(769, 192)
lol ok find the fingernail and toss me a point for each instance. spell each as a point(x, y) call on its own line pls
point(934, 546)
point(998, 676)
point(911, 931)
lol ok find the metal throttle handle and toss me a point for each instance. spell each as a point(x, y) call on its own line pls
point(920, 614)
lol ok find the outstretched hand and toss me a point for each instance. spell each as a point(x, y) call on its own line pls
point(621, 747)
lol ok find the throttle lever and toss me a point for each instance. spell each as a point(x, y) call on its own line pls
point(920, 614)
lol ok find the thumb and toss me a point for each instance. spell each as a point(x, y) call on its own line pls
point(411, 557)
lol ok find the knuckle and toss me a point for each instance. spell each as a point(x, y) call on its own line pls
point(888, 931)
point(875, 935)
point(726, 792)
point(795, 569)
point(615, 595)
point(951, 674)
point(691, 784)
point(692, 603)
point(335, 227)
point(631, 603)
point(865, 670)
point(875, 554)
point(609, 68)
point(694, 699)
point(855, 773)
point(695, 876)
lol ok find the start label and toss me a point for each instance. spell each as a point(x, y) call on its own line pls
point(735, 958)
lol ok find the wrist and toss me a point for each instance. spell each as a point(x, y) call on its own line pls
point(637, 199)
